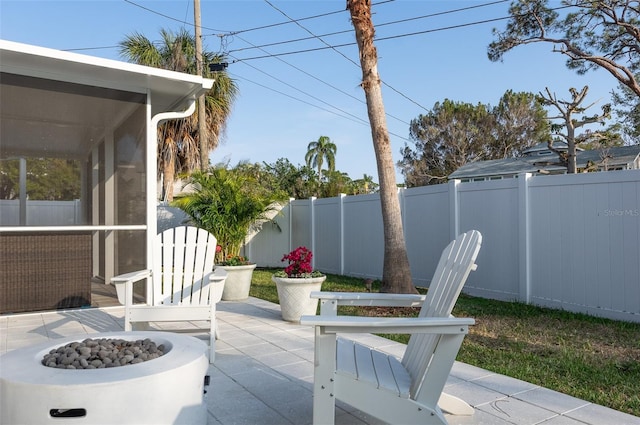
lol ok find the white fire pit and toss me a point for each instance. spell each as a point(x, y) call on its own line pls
point(165, 390)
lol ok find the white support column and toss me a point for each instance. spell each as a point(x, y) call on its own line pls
point(95, 208)
point(312, 212)
point(341, 203)
point(23, 191)
point(402, 200)
point(524, 237)
point(109, 205)
point(290, 225)
point(454, 209)
point(152, 183)
point(81, 206)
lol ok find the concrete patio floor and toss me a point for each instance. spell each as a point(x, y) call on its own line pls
point(263, 372)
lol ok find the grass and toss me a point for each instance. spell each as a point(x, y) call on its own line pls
point(593, 359)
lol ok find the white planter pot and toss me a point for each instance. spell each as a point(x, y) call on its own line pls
point(294, 296)
point(238, 282)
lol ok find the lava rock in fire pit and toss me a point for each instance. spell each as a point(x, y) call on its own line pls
point(102, 353)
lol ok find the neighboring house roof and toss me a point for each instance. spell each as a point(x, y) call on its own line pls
point(540, 160)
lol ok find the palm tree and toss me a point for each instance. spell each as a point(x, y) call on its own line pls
point(396, 274)
point(228, 203)
point(365, 185)
point(178, 144)
point(317, 152)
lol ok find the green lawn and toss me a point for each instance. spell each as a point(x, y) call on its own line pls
point(594, 359)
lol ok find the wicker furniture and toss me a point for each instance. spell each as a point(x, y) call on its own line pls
point(44, 271)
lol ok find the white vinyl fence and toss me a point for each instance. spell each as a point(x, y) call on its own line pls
point(568, 241)
point(41, 213)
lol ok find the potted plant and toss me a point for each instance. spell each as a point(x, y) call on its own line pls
point(229, 203)
point(240, 271)
point(295, 284)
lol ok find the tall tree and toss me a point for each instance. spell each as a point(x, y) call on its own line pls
point(594, 34)
point(178, 140)
point(365, 185)
point(449, 136)
point(298, 182)
point(396, 274)
point(627, 108)
point(566, 114)
point(453, 134)
point(520, 121)
point(318, 151)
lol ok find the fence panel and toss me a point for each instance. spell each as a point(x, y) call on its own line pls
point(301, 221)
point(568, 241)
point(41, 213)
point(585, 252)
point(363, 237)
point(427, 223)
point(267, 246)
point(492, 208)
point(327, 249)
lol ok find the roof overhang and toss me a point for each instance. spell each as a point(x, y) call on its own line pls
point(65, 99)
point(170, 91)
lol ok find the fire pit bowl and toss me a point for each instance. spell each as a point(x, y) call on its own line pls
point(165, 390)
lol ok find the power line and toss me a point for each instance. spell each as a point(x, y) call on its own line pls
point(346, 31)
point(307, 94)
point(317, 79)
point(343, 55)
point(315, 49)
point(277, 24)
point(184, 22)
point(392, 37)
point(360, 121)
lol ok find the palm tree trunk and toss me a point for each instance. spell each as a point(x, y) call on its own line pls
point(396, 274)
point(168, 172)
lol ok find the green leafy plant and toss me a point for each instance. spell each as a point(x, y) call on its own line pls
point(235, 260)
point(228, 203)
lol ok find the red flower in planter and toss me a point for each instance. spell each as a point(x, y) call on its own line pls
point(299, 262)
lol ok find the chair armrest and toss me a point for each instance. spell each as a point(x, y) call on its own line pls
point(218, 275)
point(329, 301)
point(124, 285)
point(401, 325)
point(217, 280)
point(131, 277)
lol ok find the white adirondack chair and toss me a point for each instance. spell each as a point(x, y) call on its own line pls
point(181, 285)
point(407, 391)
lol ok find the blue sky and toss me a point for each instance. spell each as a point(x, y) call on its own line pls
point(289, 99)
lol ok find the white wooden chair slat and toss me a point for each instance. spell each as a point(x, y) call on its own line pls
point(402, 378)
point(179, 248)
point(198, 273)
point(364, 365)
point(180, 284)
point(414, 385)
point(190, 280)
point(384, 373)
point(346, 357)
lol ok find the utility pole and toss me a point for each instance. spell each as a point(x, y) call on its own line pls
point(202, 125)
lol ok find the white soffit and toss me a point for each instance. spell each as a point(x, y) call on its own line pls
point(170, 91)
